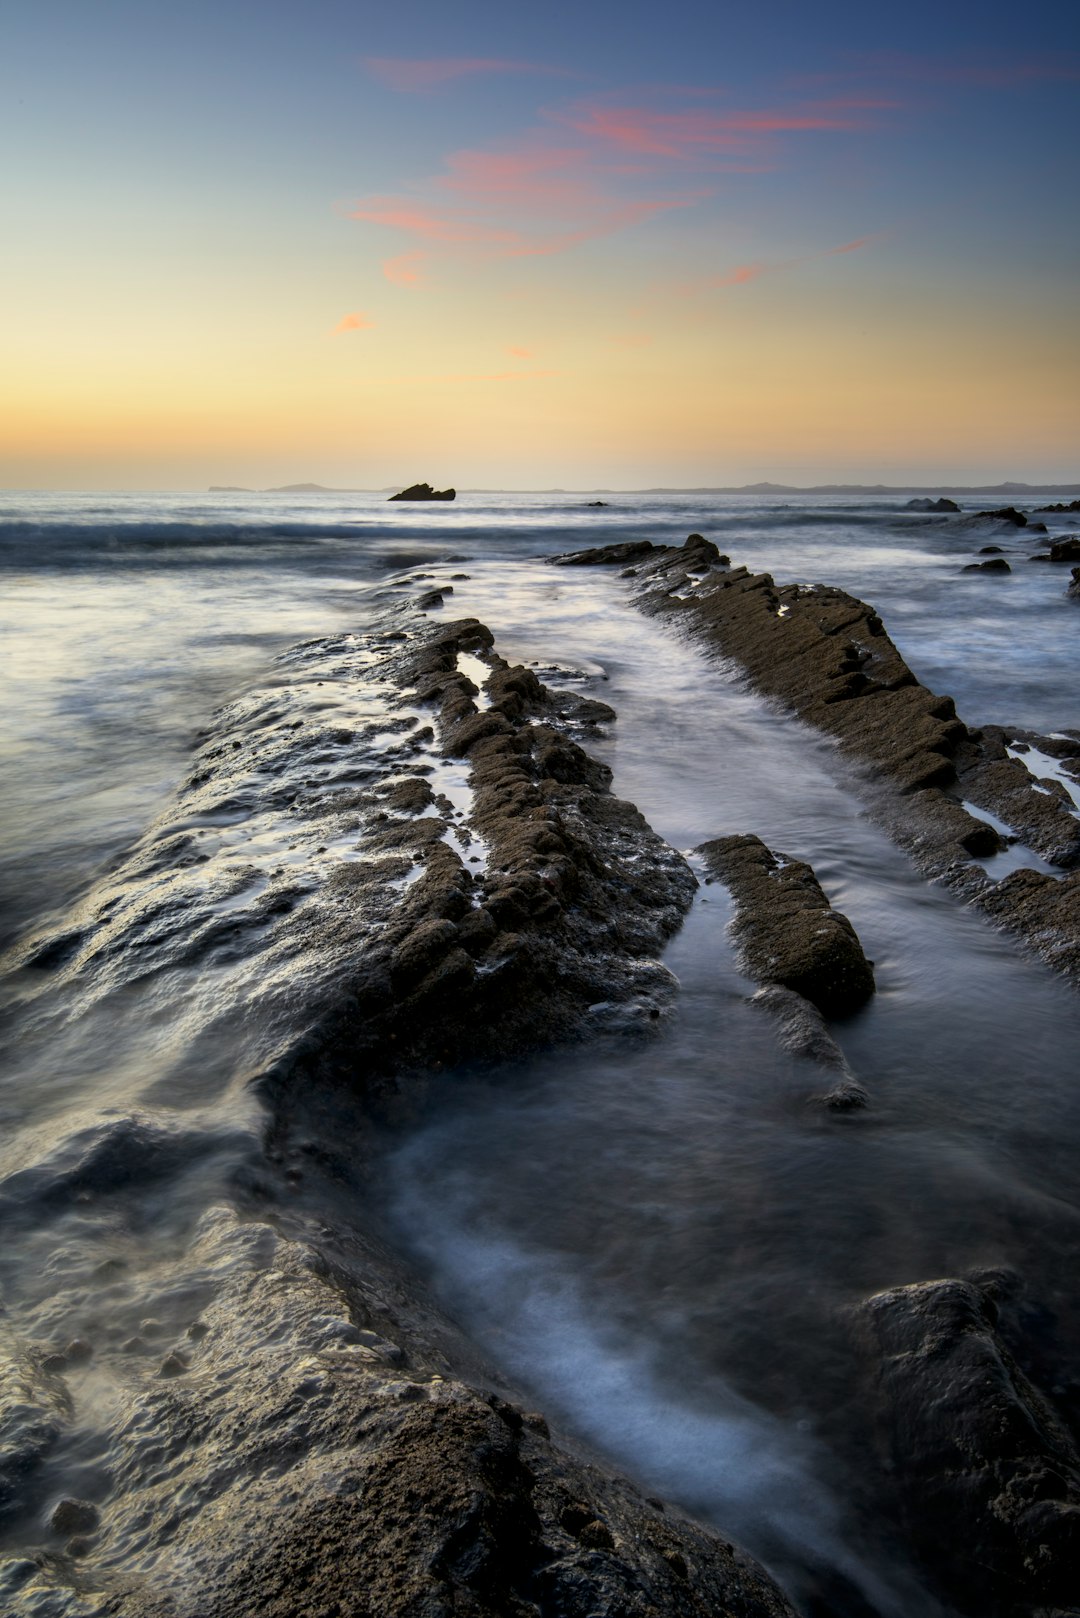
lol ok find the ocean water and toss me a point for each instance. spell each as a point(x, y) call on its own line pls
point(663, 1243)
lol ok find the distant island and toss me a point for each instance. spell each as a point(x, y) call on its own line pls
point(424, 491)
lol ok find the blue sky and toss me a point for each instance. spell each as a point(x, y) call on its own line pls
point(317, 240)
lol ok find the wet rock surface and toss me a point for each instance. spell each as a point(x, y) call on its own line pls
point(988, 1470)
point(453, 880)
point(805, 954)
point(309, 1462)
point(926, 774)
point(787, 931)
point(377, 889)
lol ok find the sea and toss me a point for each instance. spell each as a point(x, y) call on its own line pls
point(658, 1242)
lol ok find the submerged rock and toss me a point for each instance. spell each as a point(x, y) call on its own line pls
point(997, 565)
point(424, 491)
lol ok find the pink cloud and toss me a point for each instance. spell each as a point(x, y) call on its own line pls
point(743, 274)
point(852, 247)
point(551, 177)
point(519, 353)
point(632, 339)
point(406, 269)
point(461, 227)
point(424, 73)
point(739, 276)
point(354, 322)
point(684, 134)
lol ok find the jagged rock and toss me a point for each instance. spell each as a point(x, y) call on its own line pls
point(988, 1472)
point(787, 931)
point(424, 491)
point(1066, 549)
point(627, 551)
point(1007, 514)
point(1073, 505)
point(924, 503)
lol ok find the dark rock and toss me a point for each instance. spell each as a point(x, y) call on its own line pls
point(324, 1476)
point(424, 491)
point(926, 504)
point(998, 565)
point(1074, 587)
point(1073, 505)
point(786, 930)
point(988, 1473)
point(826, 655)
point(1066, 549)
point(804, 1032)
point(606, 555)
point(990, 550)
point(74, 1517)
point(596, 502)
point(1007, 514)
point(702, 551)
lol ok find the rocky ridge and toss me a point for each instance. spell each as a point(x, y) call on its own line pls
point(924, 772)
point(436, 876)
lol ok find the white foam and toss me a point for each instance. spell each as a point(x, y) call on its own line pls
point(1045, 766)
point(479, 673)
point(1017, 857)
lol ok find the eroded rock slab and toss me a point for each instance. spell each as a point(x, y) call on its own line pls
point(927, 775)
point(787, 931)
point(447, 873)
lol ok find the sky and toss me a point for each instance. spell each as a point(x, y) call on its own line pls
point(580, 245)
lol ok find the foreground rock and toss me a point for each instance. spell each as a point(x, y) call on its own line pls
point(827, 656)
point(393, 858)
point(424, 491)
point(325, 1460)
point(989, 1474)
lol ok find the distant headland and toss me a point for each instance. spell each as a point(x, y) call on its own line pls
point(989, 490)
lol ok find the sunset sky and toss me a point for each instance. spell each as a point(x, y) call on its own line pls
point(588, 244)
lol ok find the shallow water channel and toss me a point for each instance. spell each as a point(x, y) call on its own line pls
point(662, 1237)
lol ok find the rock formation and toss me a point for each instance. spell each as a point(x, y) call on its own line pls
point(424, 491)
point(924, 772)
